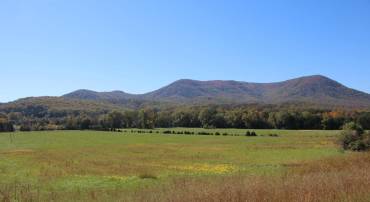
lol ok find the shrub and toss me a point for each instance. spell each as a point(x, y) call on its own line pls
point(354, 138)
point(25, 127)
point(148, 176)
point(354, 127)
point(251, 134)
point(204, 133)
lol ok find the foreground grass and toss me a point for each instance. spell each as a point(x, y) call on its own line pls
point(88, 165)
point(332, 179)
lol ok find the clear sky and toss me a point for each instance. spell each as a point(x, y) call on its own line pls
point(52, 47)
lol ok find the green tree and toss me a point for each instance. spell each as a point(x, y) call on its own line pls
point(285, 120)
point(364, 120)
point(311, 120)
point(5, 124)
point(182, 118)
point(207, 117)
point(147, 118)
point(71, 123)
point(115, 120)
point(164, 120)
point(254, 119)
point(85, 123)
point(234, 118)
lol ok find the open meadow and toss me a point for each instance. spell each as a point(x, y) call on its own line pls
point(152, 166)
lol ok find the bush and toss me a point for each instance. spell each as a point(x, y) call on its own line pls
point(204, 133)
point(354, 138)
point(250, 134)
point(352, 126)
point(148, 176)
point(25, 127)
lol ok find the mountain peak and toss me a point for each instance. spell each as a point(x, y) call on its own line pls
point(83, 94)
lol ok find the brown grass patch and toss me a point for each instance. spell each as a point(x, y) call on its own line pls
point(18, 152)
point(335, 179)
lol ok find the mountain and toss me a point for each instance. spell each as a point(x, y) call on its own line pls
point(316, 89)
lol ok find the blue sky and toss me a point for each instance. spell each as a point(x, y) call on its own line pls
point(52, 47)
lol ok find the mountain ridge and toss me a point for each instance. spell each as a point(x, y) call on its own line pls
point(317, 89)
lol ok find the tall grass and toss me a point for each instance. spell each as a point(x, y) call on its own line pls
point(102, 166)
point(336, 179)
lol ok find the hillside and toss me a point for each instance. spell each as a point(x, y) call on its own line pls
point(35, 105)
point(93, 95)
point(315, 89)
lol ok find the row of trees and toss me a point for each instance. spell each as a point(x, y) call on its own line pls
point(145, 118)
point(207, 117)
point(218, 117)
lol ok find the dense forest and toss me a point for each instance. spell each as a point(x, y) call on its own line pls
point(252, 116)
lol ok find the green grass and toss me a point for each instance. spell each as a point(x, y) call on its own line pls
point(74, 161)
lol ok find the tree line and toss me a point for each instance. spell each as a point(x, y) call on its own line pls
point(246, 117)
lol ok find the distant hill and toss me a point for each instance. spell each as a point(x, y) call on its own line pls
point(33, 104)
point(316, 89)
point(117, 98)
point(93, 95)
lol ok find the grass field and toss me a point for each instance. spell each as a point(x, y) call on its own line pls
point(112, 166)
